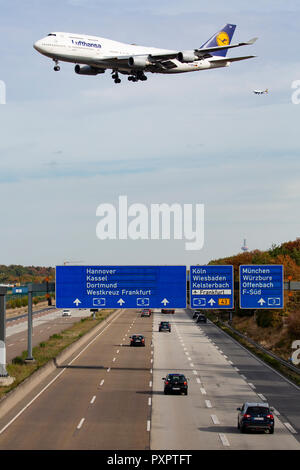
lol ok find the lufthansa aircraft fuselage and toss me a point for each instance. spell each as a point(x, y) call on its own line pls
point(93, 55)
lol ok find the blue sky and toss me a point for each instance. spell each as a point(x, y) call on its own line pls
point(69, 143)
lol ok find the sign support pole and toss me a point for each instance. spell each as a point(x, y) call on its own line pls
point(29, 332)
point(3, 371)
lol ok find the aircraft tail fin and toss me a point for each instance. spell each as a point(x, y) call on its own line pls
point(221, 38)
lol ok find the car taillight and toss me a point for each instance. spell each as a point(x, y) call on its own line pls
point(247, 416)
point(167, 383)
point(184, 383)
point(143, 340)
point(270, 416)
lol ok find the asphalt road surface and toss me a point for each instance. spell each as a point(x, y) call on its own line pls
point(45, 323)
point(110, 396)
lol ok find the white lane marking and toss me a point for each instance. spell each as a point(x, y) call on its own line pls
point(191, 364)
point(236, 369)
point(93, 400)
point(114, 359)
point(203, 391)
point(276, 412)
point(151, 371)
point(151, 352)
point(215, 419)
point(224, 439)
point(102, 382)
point(151, 360)
point(243, 377)
point(251, 385)
point(118, 351)
point(149, 401)
point(150, 383)
point(80, 423)
point(226, 357)
point(195, 372)
point(148, 425)
point(290, 428)
point(221, 351)
point(208, 404)
point(230, 362)
point(108, 369)
point(123, 339)
point(57, 376)
point(198, 380)
point(10, 345)
point(262, 397)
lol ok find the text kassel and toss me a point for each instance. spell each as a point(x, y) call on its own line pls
point(158, 222)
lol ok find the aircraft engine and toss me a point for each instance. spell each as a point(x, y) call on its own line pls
point(87, 70)
point(139, 62)
point(187, 56)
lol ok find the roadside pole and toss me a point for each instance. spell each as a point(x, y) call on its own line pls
point(3, 371)
point(5, 379)
point(29, 332)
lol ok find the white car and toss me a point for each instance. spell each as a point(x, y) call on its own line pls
point(66, 313)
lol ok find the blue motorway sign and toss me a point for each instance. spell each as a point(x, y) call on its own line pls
point(211, 287)
point(20, 290)
point(261, 286)
point(121, 286)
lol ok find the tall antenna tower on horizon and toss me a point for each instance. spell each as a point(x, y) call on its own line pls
point(244, 247)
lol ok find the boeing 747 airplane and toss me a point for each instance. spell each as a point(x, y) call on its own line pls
point(261, 92)
point(93, 55)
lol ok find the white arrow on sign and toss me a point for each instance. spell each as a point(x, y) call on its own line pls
point(211, 302)
point(261, 301)
point(165, 302)
point(77, 302)
point(121, 302)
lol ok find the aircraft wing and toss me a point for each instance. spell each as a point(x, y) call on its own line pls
point(208, 50)
point(231, 59)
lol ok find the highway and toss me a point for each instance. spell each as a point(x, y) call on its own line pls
point(110, 396)
point(46, 322)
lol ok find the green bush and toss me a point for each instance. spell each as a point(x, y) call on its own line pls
point(18, 360)
point(267, 318)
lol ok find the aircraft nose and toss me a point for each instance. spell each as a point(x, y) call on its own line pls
point(37, 45)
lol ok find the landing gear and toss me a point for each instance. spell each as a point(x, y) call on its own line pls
point(137, 76)
point(57, 67)
point(115, 77)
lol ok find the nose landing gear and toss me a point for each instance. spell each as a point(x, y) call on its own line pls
point(57, 67)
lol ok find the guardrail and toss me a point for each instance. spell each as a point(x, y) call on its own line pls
point(261, 348)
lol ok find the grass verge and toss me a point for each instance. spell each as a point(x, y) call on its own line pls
point(288, 373)
point(48, 350)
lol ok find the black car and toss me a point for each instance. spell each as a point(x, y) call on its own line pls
point(255, 416)
point(175, 383)
point(137, 340)
point(164, 326)
point(167, 310)
point(196, 313)
point(201, 318)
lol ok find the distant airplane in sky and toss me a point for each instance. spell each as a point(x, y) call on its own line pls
point(261, 92)
point(93, 55)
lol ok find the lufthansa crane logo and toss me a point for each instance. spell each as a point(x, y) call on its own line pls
point(222, 39)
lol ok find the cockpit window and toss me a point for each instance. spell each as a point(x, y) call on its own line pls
point(51, 34)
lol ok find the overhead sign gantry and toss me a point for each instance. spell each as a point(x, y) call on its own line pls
point(120, 286)
point(261, 286)
point(211, 287)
